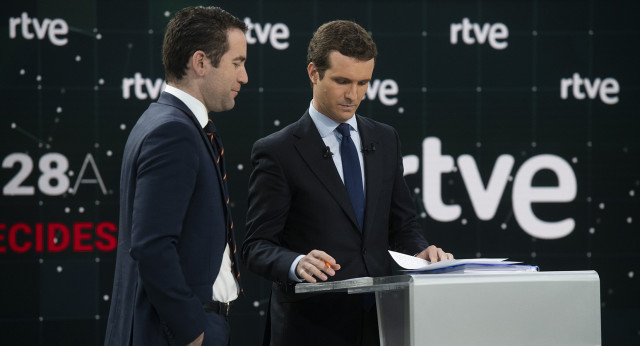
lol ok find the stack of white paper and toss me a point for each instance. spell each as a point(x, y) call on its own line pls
point(471, 265)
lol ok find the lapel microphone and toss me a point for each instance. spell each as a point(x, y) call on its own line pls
point(365, 150)
point(327, 153)
point(370, 149)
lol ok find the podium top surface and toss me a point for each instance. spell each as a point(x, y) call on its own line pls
point(396, 282)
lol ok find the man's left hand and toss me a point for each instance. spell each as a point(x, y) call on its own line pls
point(434, 254)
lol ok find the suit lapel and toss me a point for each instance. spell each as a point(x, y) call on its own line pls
point(373, 165)
point(311, 149)
point(170, 100)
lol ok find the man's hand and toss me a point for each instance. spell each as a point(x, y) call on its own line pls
point(198, 341)
point(316, 263)
point(434, 254)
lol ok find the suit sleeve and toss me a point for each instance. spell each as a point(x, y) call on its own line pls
point(167, 167)
point(269, 203)
point(405, 233)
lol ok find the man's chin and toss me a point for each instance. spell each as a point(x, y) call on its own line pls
point(224, 107)
point(347, 112)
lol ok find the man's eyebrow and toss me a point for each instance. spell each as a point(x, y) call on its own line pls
point(240, 58)
point(349, 79)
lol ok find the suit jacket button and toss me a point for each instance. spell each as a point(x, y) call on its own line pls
point(364, 250)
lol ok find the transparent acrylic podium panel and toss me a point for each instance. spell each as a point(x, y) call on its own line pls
point(528, 308)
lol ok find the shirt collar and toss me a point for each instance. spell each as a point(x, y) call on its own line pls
point(194, 105)
point(326, 125)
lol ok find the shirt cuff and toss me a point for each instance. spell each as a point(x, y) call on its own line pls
point(292, 270)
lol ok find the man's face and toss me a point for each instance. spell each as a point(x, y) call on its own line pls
point(338, 94)
point(222, 84)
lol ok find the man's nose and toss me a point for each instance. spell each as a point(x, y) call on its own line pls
point(351, 92)
point(243, 77)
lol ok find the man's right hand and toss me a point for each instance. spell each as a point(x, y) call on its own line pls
point(316, 263)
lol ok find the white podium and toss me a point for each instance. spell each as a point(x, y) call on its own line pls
point(512, 308)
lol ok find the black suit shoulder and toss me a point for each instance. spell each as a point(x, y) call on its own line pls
point(278, 138)
point(376, 127)
point(376, 124)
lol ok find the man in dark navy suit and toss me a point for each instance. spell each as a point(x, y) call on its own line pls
point(327, 199)
point(175, 269)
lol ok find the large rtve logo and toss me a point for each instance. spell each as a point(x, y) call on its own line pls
point(485, 199)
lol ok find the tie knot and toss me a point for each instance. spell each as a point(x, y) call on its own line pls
point(344, 129)
point(209, 127)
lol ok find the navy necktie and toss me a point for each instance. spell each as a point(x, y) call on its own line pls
point(352, 172)
point(218, 150)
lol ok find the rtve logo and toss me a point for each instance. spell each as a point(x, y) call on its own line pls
point(275, 33)
point(472, 33)
point(385, 90)
point(51, 28)
point(607, 89)
point(485, 199)
point(142, 87)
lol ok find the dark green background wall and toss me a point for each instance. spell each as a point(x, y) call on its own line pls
point(489, 80)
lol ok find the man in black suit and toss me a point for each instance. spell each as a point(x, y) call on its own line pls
point(326, 206)
point(175, 263)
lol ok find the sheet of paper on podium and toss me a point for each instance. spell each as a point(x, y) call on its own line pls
point(470, 265)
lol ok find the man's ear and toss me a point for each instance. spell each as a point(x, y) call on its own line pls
point(314, 75)
point(198, 62)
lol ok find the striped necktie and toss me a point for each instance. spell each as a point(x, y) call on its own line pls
point(218, 151)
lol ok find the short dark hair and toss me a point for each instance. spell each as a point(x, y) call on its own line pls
point(344, 36)
point(192, 29)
